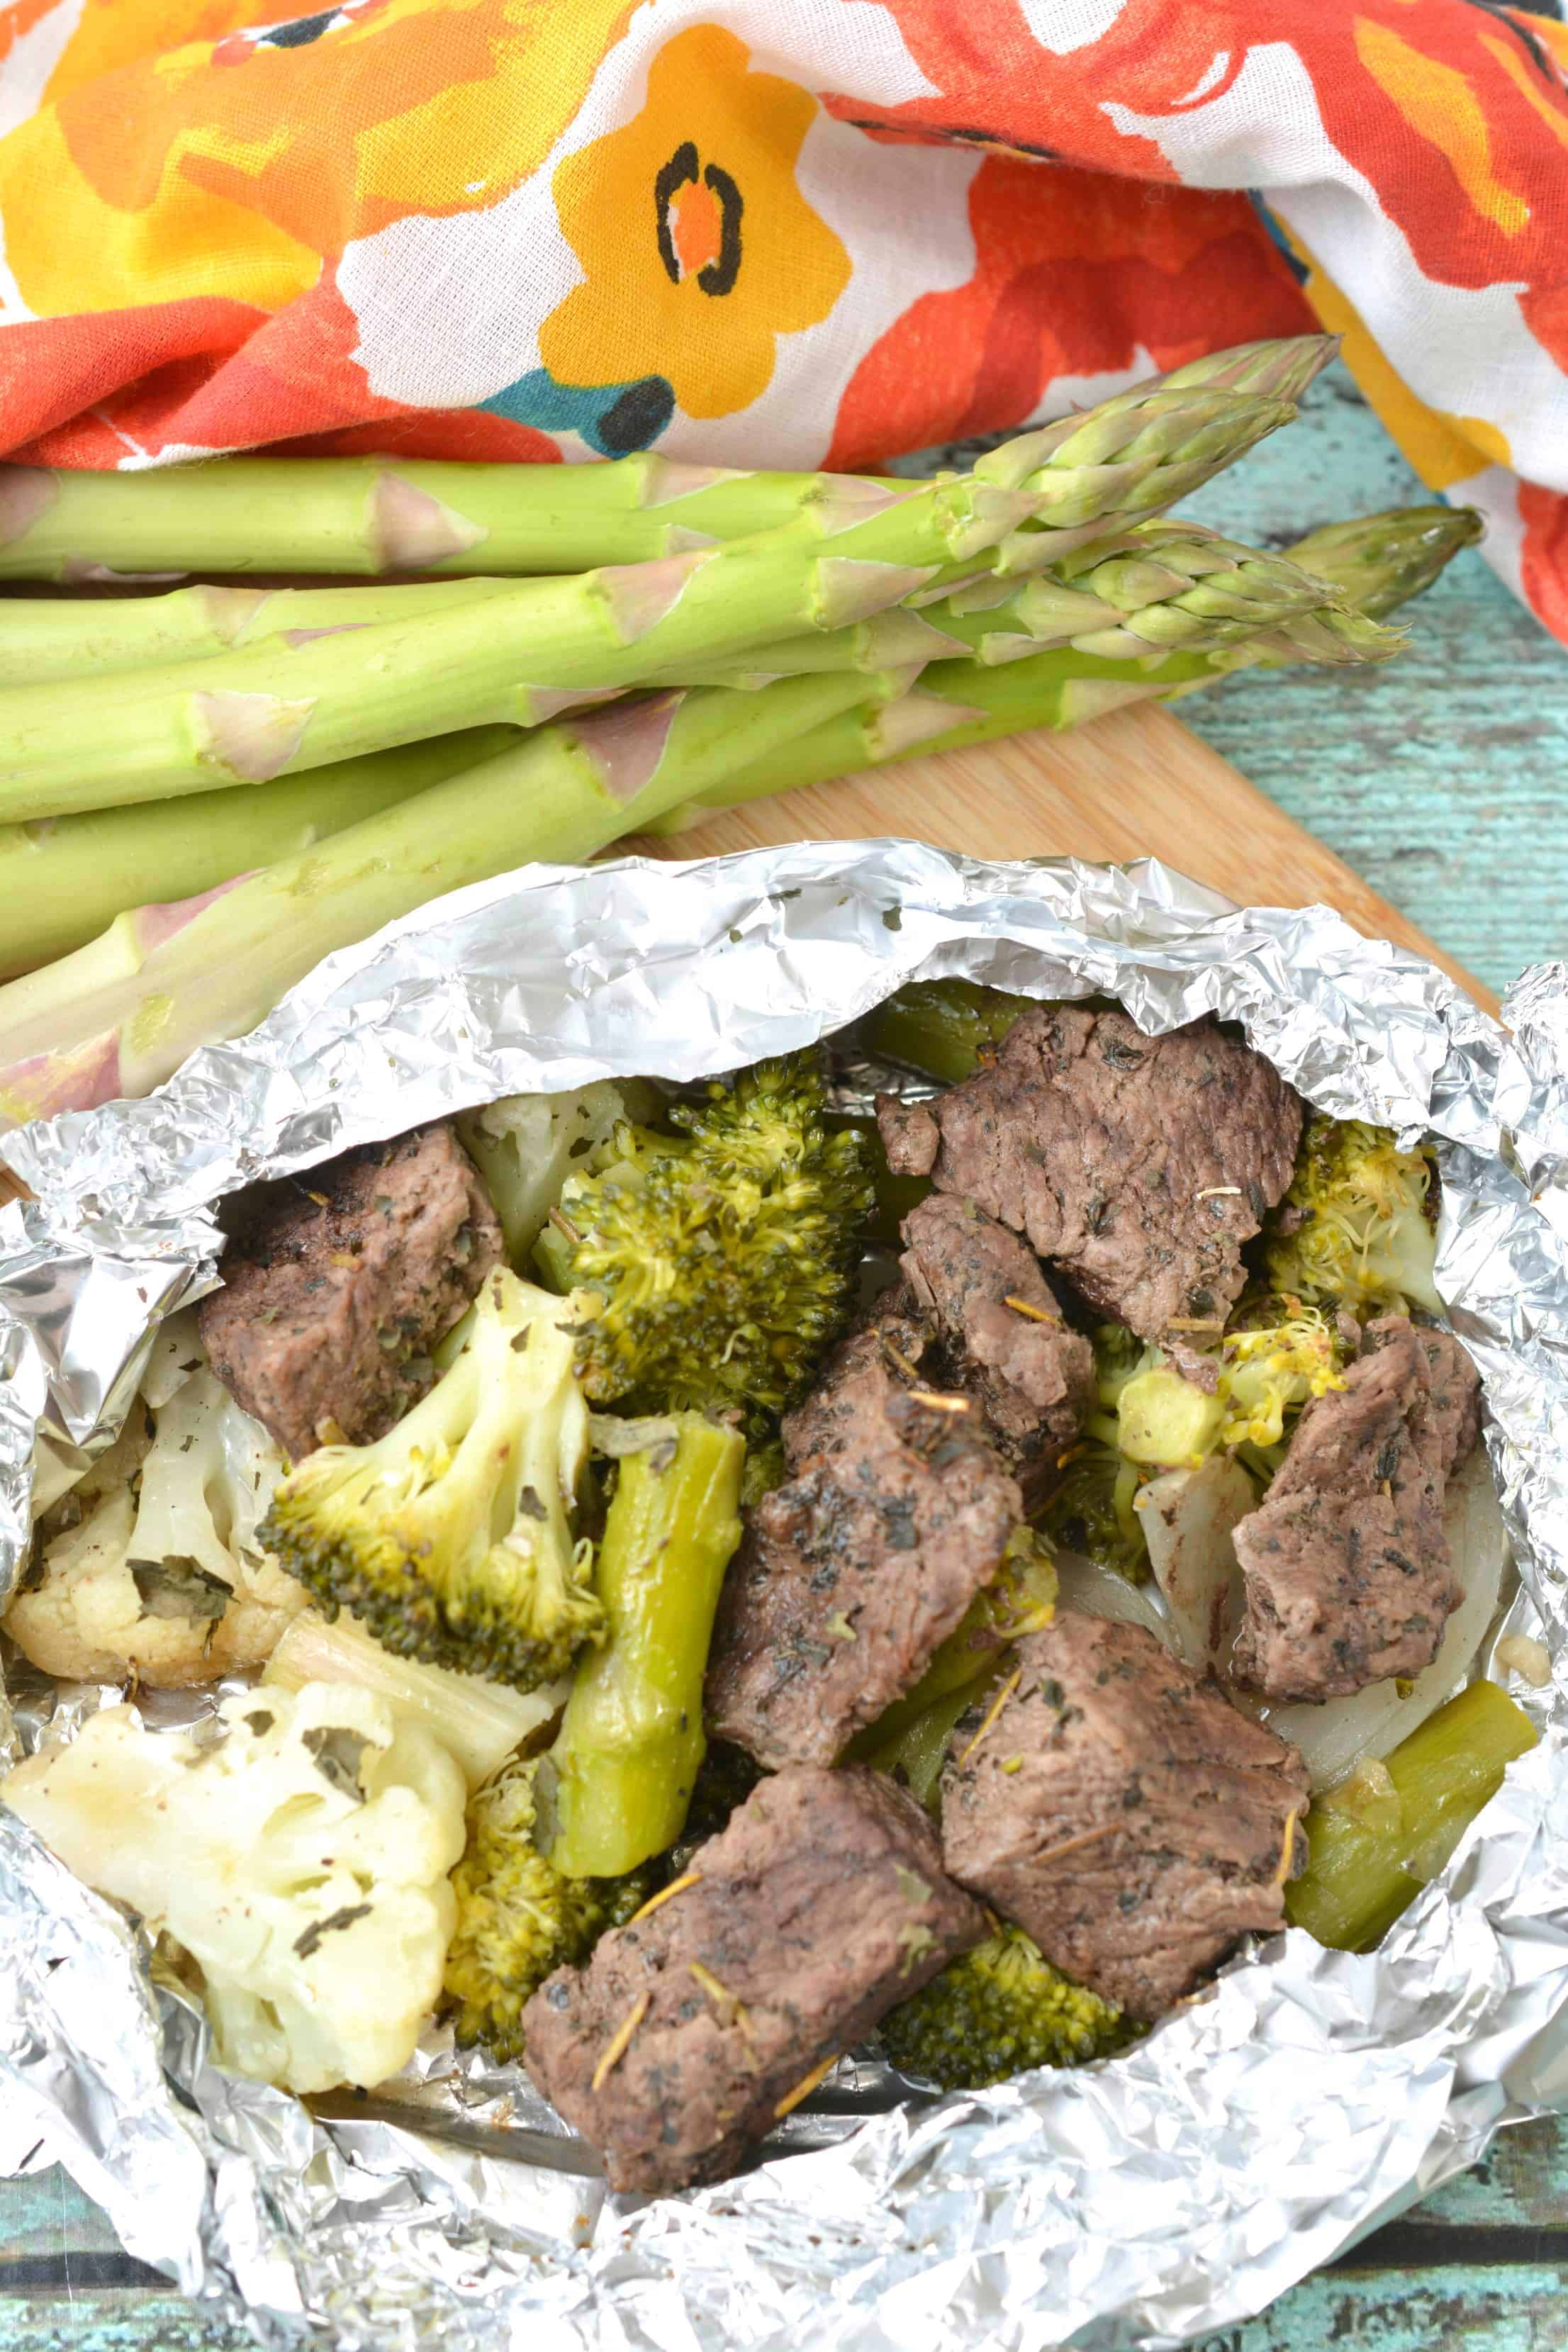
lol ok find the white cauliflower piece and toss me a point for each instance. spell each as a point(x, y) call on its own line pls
point(297, 1847)
point(164, 1577)
point(526, 1146)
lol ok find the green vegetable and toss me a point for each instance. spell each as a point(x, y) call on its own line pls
point(725, 1255)
point(1374, 1840)
point(450, 1538)
point(63, 880)
point(1365, 1239)
point(1160, 587)
point(915, 1753)
point(1163, 1418)
point(942, 1027)
point(518, 1918)
point(1276, 1355)
point(997, 2011)
point(1381, 561)
point(622, 1771)
point(384, 515)
point(123, 1014)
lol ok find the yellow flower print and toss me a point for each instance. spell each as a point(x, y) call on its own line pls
point(696, 246)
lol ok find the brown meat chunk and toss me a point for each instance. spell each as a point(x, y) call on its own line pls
point(1003, 1338)
point(337, 1287)
point(852, 1572)
point(1347, 1569)
point(820, 1905)
point(1138, 1165)
point(1123, 1813)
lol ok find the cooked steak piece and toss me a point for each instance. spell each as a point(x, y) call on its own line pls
point(1004, 1341)
point(820, 1905)
point(851, 1573)
point(1123, 1813)
point(1348, 1577)
point(1138, 1165)
point(337, 1287)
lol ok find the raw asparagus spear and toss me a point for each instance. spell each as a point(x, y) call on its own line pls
point(387, 515)
point(62, 884)
point(248, 715)
point(122, 1013)
point(44, 637)
point(1165, 586)
point(618, 1779)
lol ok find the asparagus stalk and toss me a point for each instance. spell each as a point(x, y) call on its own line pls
point(380, 515)
point(619, 1777)
point(63, 881)
point(1374, 1840)
point(44, 637)
point(122, 1013)
point(942, 1026)
point(246, 715)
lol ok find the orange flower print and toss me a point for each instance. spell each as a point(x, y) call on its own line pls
point(697, 248)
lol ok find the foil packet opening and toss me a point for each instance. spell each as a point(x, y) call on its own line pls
point(1173, 2191)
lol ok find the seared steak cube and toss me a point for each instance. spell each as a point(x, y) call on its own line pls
point(851, 1573)
point(1003, 1338)
point(1348, 1574)
point(1138, 1165)
point(337, 1286)
point(1123, 1812)
point(821, 1904)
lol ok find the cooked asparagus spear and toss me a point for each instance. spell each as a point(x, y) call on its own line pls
point(619, 1777)
point(385, 515)
point(1375, 1840)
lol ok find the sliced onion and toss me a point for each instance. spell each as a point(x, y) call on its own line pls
point(1187, 1517)
point(1334, 1737)
point(1096, 1592)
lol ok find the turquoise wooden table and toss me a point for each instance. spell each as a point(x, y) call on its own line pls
point(1441, 779)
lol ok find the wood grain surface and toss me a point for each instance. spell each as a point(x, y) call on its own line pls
point(1135, 784)
point(1437, 784)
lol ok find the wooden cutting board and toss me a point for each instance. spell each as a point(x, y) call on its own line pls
point(1137, 784)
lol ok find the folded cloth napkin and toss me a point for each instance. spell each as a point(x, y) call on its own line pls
point(795, 232)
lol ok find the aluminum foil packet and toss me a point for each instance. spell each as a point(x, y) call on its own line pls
point(1310, 2095)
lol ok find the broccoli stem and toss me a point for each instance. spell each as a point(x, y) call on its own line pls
point(379, 515)
point(631, 1740)
point(1375, 1840)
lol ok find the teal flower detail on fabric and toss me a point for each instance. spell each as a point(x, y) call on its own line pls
point(613, 418)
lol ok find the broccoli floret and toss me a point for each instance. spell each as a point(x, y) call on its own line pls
point(518, 1918)
point(1282, 1354)
point(1362, 1237)
point(723, 1256)
point(525, 1146)
point(998, 2010)
point(450, 1538)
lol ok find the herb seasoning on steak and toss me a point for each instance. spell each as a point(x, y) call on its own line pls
point(1123, 1812)
point(339, 1285)
point(1348, 1574)
point(1003, 1338)
point(1138, 1165)
point(896, 1514)
point(693, 2029)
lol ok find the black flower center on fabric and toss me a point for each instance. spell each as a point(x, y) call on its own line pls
point(698, 208)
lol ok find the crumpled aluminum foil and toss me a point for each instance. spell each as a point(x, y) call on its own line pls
point(1311, 2095)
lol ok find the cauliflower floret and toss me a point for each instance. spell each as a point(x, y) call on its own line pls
point(300, 1856)
point(164, 1577)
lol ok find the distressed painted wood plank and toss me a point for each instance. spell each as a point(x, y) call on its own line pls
point(101, 2320)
